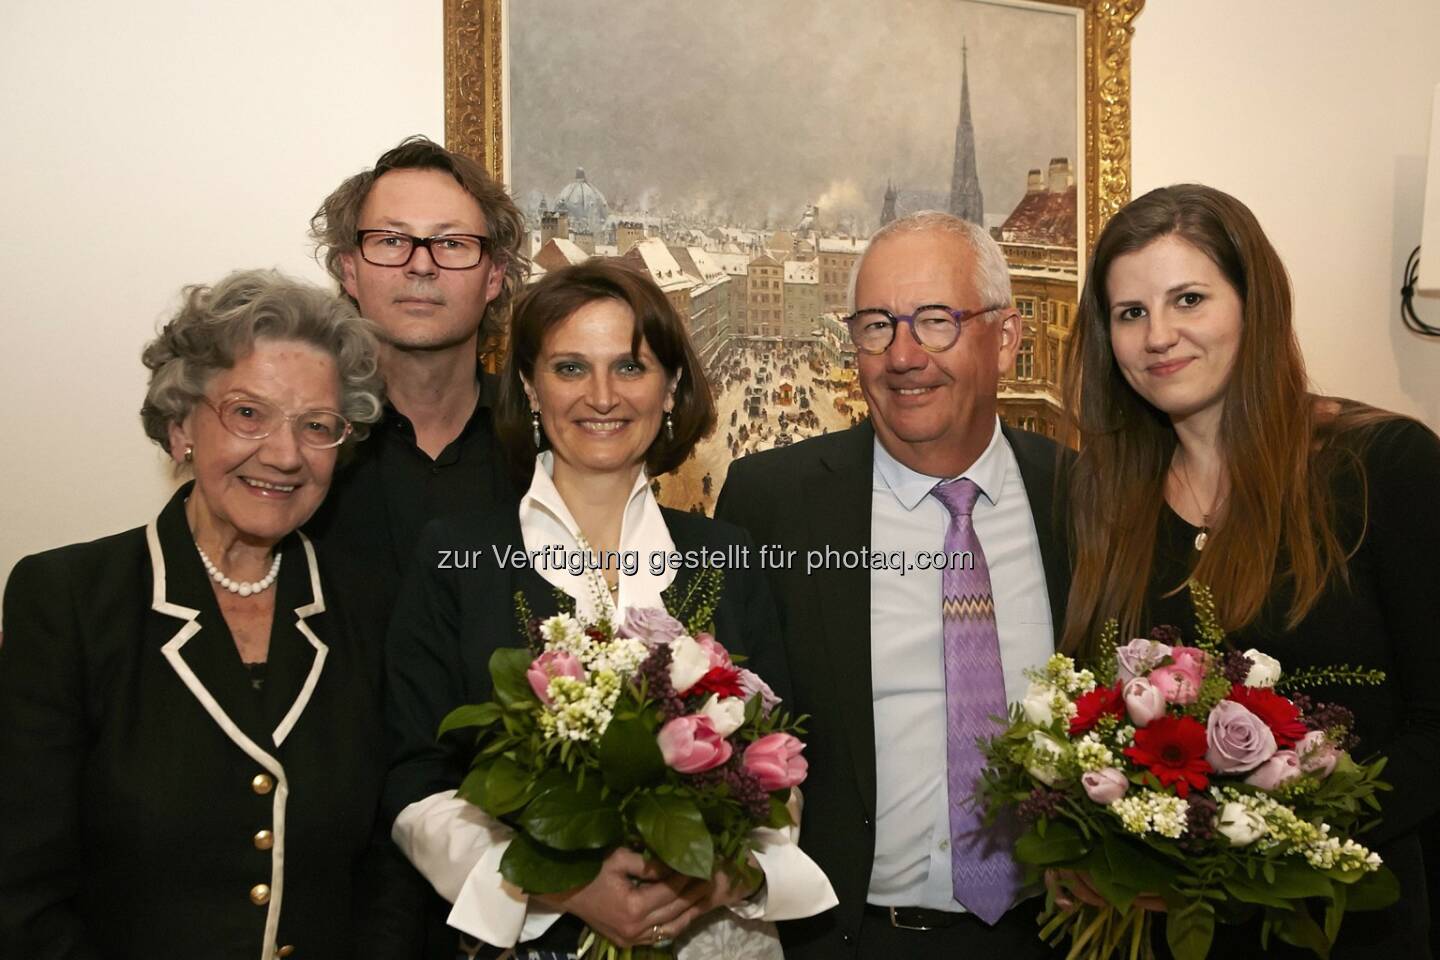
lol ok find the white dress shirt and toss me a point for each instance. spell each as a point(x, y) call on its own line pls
point(457, 846)
point(912, 804)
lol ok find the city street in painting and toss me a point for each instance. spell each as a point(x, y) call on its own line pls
point(741, 152)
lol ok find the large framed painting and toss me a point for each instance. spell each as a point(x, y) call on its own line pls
point(742, 152)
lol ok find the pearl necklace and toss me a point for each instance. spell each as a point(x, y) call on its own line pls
point(235, 586)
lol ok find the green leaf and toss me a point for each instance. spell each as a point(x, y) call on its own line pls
point(472, 715)
point(1189, 927)
point(472, 788)
point(629, 754)
point(1298, 928)
point(1335, 911)
point(568, 816)
point(536, 868)
point(779, 813)
point(1135, 864)
point(1374, 891)
point(1061, 843)
point(1251, 891)
point(675, 832)
point(1296, 880)
point(506, 789)
point(507, 673)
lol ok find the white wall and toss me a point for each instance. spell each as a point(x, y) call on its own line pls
point(149, 145)
point(1315, 113)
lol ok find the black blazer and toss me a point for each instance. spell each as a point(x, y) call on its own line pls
point(808, 496)
point(138, 765)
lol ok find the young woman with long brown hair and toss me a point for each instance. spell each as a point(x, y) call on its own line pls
point(1315, 520)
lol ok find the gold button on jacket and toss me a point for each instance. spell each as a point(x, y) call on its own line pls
point(285, 951)
point(260, 894)
point(264, 840)
point(262, 783)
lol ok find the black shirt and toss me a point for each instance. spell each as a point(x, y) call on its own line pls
point(390, 489)
point(1387, 617)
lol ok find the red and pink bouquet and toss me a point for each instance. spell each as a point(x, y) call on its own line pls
point(646, 734)
point(1182, 771)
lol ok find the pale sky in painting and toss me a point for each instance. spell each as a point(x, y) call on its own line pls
point(758, 108)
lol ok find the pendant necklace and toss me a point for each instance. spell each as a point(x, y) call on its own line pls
point(1203, 536)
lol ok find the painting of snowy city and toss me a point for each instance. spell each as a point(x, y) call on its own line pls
point(742, 152)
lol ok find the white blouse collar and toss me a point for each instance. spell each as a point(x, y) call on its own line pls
point(546, 522)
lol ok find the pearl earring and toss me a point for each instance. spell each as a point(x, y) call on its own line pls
point(189, 453)
point(535, 427)
point(669, 426)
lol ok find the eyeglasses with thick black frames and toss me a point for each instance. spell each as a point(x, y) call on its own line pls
point(449, 251)
point(935, 326)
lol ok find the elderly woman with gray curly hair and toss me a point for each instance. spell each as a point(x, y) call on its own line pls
point(188, 710)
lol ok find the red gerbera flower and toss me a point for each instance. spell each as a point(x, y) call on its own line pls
point(1173, 748)
point(1279, 714)
point(1090, 707)
point(721, 681)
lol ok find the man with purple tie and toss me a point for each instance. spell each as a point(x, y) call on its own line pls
point(929, 572)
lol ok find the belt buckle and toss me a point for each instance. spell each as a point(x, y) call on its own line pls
point(895, 922)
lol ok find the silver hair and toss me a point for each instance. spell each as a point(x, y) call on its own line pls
point(992, 273)
point(219, 325)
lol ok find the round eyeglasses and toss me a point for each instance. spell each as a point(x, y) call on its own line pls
point(450, 251)
point(934, 326)
point(255, 420)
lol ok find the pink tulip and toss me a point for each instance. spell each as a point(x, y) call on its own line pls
point(1281, 768)
point(719, 656)
point(1190, 658)
point(1143, 701)
point(550, 664)
point(1105, 786)
point(775, 761)
point(1177, 683)
point(691, 744)
point(1317, 754)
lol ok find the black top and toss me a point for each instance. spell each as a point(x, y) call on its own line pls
point(1387, 618)
point(138, 764)
point(390, 489)
point(449, 621)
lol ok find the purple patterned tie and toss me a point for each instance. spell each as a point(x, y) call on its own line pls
point(986, 878)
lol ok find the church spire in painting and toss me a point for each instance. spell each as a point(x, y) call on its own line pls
point(966, 200)
point(887, 211)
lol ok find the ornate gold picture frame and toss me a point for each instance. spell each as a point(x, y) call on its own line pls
point(778, 357)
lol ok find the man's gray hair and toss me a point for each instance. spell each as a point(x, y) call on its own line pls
point(992, 273)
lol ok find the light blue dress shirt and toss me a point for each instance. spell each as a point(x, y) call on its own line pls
point(912, 812)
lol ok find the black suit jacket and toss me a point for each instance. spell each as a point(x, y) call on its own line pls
point(813, 495)
point(139, 763)
point(448, 622)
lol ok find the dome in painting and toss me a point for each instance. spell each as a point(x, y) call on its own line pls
point(583, 204)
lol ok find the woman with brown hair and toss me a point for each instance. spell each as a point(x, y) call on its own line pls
point(602, 391)
point(1314, 520)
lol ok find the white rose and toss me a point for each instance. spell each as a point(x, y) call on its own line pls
point(1240, 825)
point(726, 713)
point(688, 663)
point(1037, 704)
point(1264, 669)
point(1045, 754)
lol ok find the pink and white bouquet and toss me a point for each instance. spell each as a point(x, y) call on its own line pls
point(1181, 771)
point(647, 735)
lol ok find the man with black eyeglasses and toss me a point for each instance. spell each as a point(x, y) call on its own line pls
point(929, 571)
point(428, 246)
